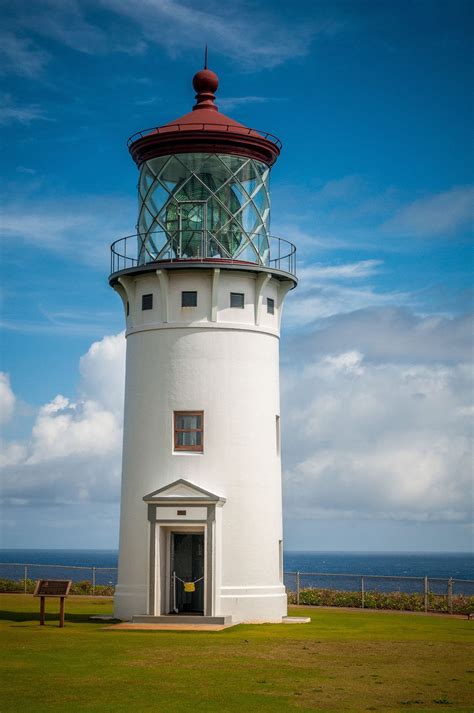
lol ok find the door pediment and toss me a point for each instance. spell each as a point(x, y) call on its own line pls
point(181, 491)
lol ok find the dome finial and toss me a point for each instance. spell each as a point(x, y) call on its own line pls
point(205, 83)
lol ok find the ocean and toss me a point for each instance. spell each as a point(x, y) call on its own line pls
point(396, 565)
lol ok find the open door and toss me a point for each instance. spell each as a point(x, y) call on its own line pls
point(187, 573)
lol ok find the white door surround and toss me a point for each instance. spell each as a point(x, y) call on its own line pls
point(180, 506)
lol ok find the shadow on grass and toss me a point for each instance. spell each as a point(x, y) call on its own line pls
point(19, 617)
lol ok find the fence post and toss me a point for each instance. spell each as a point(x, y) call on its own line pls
point(26, 576)
point(93, 580)
point(426, 593)
point(297, 587)
point(450, 595)
point(362, 593)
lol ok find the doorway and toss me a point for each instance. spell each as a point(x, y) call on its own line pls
point(187, 573)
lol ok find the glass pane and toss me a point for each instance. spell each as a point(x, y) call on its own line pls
point(237, 300)
point(189, 438)
point(186, 421)
point(218, 228)
point(188, 299)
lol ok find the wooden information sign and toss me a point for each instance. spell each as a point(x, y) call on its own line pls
point(52, 588)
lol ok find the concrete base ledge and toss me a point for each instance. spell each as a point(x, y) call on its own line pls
point(296, 620)
point(180, 619)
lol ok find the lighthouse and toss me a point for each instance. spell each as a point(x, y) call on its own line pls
point(202, 284)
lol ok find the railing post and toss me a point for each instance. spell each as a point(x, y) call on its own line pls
point(426, 592)
point(297, 587)
point(450, 595)
point(93, 580)
point(362, 593)
point(26, 576)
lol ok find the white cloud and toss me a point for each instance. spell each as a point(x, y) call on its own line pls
point(19, 55)
point(389, 334)
point(62, 21)
point(10, 112)
point(375, 406)
point(240, 31)
point(102, 373)
point(383, 438)
point(7, 398)
point(323, 292)
point(25, 169)
point(349, 270)
point(228, 103)
point(80, 228)
point(436, 215)
point(75, 446)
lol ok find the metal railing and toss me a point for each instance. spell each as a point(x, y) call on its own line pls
point(310, 587)
point(22, 573)
point(429, 590)
point(205, 126)
point(159, 246)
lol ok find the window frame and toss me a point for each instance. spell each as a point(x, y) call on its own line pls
point(198, 448)
point(188, 292)
point(147, 301)
point(270, 305)
point(240, 295)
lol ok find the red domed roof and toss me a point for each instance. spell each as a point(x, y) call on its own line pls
point(204, 130)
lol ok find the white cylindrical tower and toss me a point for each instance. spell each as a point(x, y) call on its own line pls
point(202, 285)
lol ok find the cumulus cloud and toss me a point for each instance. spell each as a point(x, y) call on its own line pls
point(74, 451)
point(378, 437)
point(7, 398)
point(389, 334)
point(376, 423)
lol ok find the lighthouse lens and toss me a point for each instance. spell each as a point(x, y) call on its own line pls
point(204, 205)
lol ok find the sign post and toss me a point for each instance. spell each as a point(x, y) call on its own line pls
point(58, 588)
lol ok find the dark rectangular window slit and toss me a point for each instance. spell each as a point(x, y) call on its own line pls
point(147, 302)
point(237, 299)
point(181, 512)
point(189, 299)
point(270, 306)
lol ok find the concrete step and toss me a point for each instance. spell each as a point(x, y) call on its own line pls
point(181, 619)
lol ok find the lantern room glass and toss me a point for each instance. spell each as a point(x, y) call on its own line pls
point(204, 206)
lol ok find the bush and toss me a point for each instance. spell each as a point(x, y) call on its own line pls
point(401, 601)
point(85, 587)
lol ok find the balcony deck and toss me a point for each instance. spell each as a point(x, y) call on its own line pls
point(137, 253)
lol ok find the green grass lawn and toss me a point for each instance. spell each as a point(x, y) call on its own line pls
point(342, 661)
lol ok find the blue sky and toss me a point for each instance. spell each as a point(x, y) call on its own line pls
point(372, 101)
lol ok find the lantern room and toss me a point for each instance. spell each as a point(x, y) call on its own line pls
point(203, 191)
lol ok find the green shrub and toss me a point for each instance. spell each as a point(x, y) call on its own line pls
point(401, 601)
point(85, 587)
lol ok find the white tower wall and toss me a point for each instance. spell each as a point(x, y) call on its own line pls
point(225, 362)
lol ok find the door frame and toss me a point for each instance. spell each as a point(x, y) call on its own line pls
point(169, 570)
point(180, 505)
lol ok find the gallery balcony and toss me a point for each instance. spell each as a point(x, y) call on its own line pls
point(199, 248)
